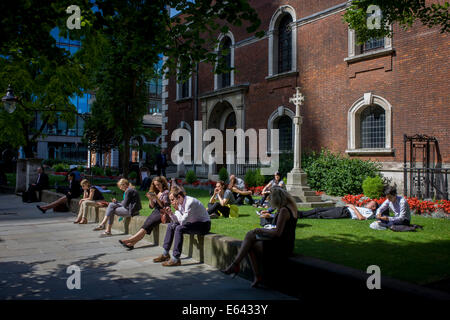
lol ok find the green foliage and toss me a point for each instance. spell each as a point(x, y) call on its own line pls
point(108, 172)
point(191, 177)
point(253, 178)
point(61, 167)
point(337, 175)
point(223, 174)
point(97, 171)
point(373, 187)
point(81, 168)
point(132, 175)
point(405, 12)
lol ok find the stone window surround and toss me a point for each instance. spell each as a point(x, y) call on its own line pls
point(179, 99)
point(353, 125)
point(273, 39)
point(216, 76)
point(353, 57)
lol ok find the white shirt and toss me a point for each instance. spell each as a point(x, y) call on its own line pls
point(191, 210)
point(365, 212)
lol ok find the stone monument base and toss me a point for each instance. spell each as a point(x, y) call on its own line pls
point(297, 185)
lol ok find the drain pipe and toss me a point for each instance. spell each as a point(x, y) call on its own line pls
point(196, 105)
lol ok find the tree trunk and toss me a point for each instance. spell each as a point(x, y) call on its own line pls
point(126, 155)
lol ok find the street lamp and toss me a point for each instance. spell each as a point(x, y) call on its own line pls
point(10, 100)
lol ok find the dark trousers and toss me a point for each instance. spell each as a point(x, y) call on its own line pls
point(175, 230)
point(152, 221)
point(145, 184)
point(263, 199)
point(161, 170)
point(30, 194)
point(326, 213)
point(216, 207)
point(241, 198)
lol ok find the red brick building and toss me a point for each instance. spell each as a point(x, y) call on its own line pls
point(359, 100)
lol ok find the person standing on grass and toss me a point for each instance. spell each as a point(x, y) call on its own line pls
point(90, 195)
point(397, 204)
point(221, 198)
point(129, 207)
point(275, 244)
point(190, 217)
point(74, 191)
point(158, 199)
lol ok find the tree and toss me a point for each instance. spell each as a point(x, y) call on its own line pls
point(134, 34)
point(362, 16)
point(42, 75)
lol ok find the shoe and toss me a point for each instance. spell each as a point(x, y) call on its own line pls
point(126, 245)
point(106, 234)
point(39, 207)
point(99, 227)
point(171, 263)
point(214, 216)
point(161, 258)
point(83, 221)
point(234, 269)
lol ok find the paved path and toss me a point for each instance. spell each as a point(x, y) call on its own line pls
point(36, 250)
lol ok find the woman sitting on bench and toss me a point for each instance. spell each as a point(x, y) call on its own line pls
point(129, 207)
point(158, 198)
point(90, 195)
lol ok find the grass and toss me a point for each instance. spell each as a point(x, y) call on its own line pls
point(420, 257)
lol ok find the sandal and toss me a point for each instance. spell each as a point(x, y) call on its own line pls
point(99, 227)
point(83, 221)
point(106, 234)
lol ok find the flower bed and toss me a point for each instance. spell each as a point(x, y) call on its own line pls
point(418, 206)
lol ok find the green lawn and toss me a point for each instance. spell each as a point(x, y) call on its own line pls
point(420, 257)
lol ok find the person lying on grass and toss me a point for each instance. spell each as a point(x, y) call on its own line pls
point(348, 211)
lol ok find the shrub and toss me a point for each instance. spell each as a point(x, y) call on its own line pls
point(337, 175)
point(81, 168)
point(253, 178)
point(191, 177)
point(61, 167)
point(373, 187)
point(97, 171)
point(132, 175)
point(108, 172)
point(223, 174)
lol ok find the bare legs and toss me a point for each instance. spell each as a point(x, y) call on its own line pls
point(135, 238)
point(55, 203)
point(252, 247)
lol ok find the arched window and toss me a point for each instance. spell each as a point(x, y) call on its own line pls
point(373, 127)
point(225, 52)
point(282, 42)
point(284, 126)
point(369, 126)
point(285, 45)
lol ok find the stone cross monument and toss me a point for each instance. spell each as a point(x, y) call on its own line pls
point(297, 184)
